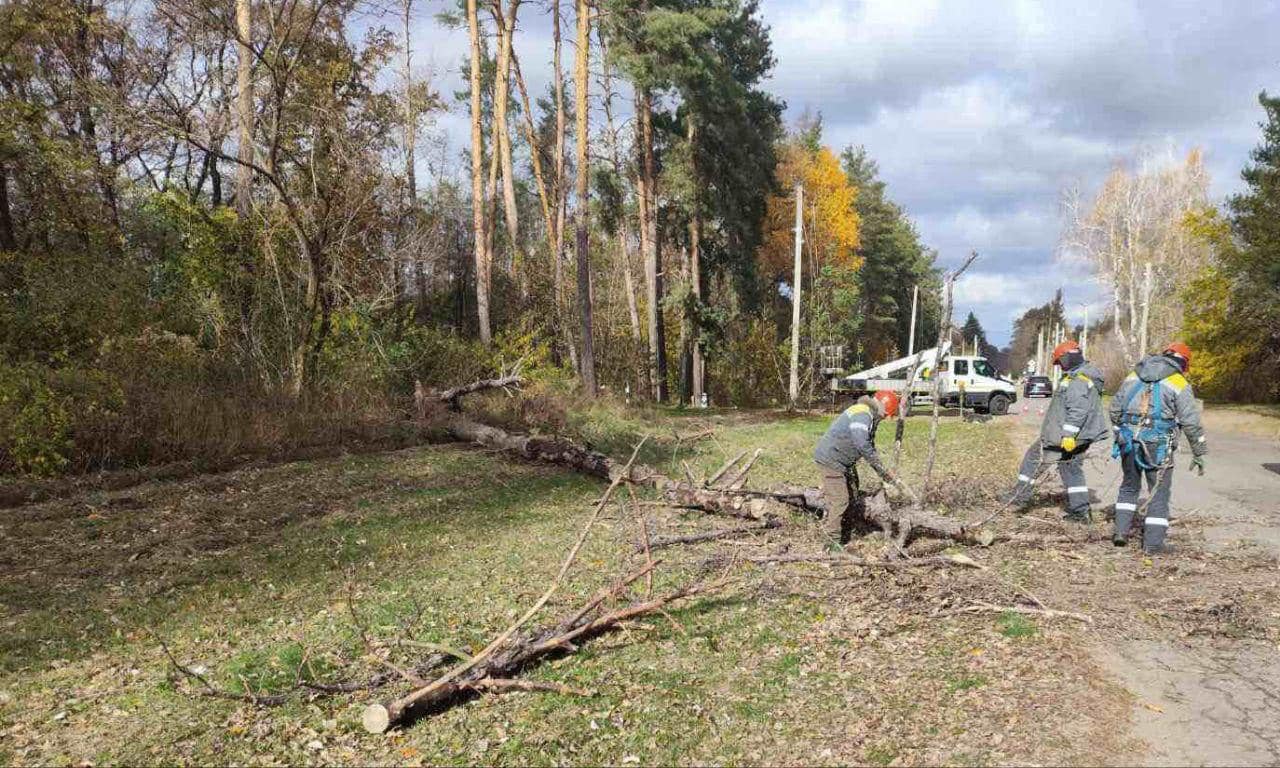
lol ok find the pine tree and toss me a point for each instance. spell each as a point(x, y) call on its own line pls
point(710, 57)
point(973, 332)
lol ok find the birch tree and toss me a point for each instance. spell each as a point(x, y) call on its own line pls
point(1133, 234)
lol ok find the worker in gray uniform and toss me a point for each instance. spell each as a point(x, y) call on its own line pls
point(1073, 422)
point(850, 438)
point(1152, 406)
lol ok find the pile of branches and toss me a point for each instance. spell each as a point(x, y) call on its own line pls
point(511, 652)
point(516, 649)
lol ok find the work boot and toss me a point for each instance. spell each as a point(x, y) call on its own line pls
point(1080, 518)
point(1150, 550)
point(1119, 539)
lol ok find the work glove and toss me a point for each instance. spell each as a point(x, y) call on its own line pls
point(892, 479)
point(1197, 464)
point(1068, 444)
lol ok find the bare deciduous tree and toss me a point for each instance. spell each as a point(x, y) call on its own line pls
point(1133, 232)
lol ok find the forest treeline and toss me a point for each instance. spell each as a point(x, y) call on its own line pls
point(232, 227)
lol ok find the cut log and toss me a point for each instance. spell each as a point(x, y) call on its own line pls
point(840, 559)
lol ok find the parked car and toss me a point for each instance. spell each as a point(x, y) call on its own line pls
point(1037, 386)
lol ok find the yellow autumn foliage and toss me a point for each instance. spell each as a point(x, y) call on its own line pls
point(831, 223)
point(1222, 353)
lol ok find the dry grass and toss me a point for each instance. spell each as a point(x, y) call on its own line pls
point(1255, 420)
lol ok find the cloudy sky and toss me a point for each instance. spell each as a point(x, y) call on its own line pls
point(982, 113)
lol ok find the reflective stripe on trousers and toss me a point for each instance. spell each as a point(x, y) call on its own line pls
point(1072, 472)
point(1071, 469)
point(1159, 485)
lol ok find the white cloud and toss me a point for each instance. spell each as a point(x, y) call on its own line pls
point(985, 288)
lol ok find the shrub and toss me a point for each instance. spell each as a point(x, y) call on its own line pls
point(751, 368)
point(35, 435)
point(42, 411)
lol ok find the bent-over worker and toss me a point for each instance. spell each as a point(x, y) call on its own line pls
point(851, 437)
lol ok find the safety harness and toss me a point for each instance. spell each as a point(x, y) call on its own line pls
point(1145, 427)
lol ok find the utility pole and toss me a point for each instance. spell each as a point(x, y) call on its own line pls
point(915, 302)
point(795, 299)
point(1040, 352)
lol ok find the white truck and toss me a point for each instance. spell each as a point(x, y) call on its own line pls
point(970, 377)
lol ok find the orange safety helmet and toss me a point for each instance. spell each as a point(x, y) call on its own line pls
point(888, 401)
point(1064, 349)
point(1182, 352)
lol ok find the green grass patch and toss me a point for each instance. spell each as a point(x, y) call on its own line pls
point(965, 683)
point(881, 754)
point(1016, 625)
point(271, 670)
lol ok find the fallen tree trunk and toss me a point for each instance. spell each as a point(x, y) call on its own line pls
point(696, 538)
point(533, 448)
point(452, 396)
point(738, 503)
point(841, 559)
point(734, 501)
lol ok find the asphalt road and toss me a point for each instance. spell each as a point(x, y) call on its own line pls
point(1203, 703)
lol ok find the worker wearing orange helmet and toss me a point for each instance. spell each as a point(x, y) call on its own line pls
point(1152, 406)
point(851, 436)
point(1073, 422)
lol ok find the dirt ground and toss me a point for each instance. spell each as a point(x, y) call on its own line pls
point(1199, 648)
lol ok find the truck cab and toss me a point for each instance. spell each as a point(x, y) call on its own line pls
point(976, 381)
point(970, 379)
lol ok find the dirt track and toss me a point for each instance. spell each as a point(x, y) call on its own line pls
point(1198, 701)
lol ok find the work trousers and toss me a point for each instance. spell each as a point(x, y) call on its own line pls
point(843, 500)
point(1070, 468)
point(1159, 485)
